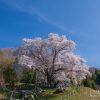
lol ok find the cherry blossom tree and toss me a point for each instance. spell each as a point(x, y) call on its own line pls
point(54, 59)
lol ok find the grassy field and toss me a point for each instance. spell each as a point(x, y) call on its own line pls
point(71, 93)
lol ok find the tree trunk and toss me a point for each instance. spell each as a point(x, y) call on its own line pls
point(49, 80)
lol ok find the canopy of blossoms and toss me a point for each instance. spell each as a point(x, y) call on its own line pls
point(53, 57)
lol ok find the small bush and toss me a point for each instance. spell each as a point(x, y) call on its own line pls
point(88, 82)
point(28, 76)
point(9, 75)
point(59, 90)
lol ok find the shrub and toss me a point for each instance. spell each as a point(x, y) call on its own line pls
point(9, 75)
point(88, 82)
point(97, 73)
point(59, 90)
point(28, 76)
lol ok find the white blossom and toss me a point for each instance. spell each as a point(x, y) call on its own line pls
point(53, 57)
point(26, 61)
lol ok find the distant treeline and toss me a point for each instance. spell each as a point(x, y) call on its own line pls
point(94, 80)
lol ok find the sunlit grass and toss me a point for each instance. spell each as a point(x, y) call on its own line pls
point(71, 93)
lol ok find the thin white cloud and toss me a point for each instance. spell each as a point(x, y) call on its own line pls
point(33, 11)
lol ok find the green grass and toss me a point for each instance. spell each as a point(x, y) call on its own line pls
point(71, 93)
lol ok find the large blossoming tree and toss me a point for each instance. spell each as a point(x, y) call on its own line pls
point(54, 59)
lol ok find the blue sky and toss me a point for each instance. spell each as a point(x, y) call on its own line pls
point(78, 19)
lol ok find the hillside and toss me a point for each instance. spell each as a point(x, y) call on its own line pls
point(71, 93)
